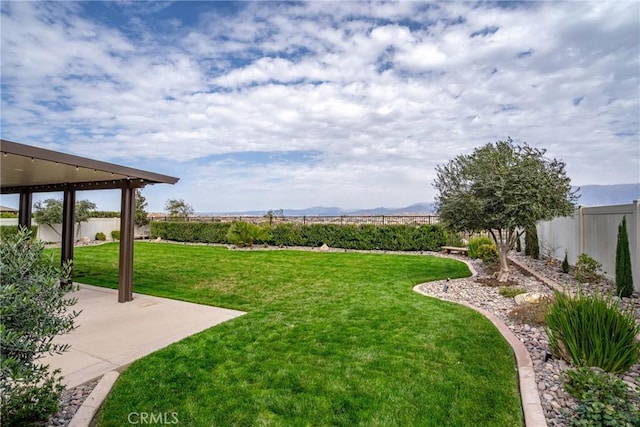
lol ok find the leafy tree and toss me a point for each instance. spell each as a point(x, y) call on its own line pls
point(624, 276)
point(33, 310)
point(271, 214)
point(178, 209)
point(49, 212)
point(500, 187)
point(82, 212)
point(141, 218)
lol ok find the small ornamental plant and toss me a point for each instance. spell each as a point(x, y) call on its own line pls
point(603, 400)
point(476, 242)
point(588, 269)
point(624, 276)
point(565, 263)
point(488, 253)
point(531, 243)
point(590, 330)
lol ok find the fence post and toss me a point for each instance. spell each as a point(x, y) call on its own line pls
point(580, 230)
point(634, 243)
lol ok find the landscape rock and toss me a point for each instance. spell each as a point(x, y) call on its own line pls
point(528, 298)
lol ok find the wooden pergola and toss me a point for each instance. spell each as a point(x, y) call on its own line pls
point(26, 170)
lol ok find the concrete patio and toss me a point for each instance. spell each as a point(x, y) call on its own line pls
point(111, 335)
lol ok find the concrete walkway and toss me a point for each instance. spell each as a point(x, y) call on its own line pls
point(111, 335)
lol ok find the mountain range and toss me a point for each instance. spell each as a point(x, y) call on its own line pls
point(590, 195)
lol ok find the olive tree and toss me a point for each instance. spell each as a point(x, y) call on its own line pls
point(500, 188)
point(49, 212)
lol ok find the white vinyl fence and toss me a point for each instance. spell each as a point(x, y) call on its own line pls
point(594, 231)
point(85, 229)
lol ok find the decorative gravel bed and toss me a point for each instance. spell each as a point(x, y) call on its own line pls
point(70, 402)
point(557, 404)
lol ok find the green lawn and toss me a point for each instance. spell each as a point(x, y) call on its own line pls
point(329, 339)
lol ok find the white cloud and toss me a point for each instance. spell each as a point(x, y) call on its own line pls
point(381, 91)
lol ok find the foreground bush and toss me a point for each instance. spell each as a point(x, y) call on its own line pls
point(363, 237)
point(33, 310)
point(590, 330)
point(603, 400)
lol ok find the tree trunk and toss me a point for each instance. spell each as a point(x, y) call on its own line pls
point(503, 249)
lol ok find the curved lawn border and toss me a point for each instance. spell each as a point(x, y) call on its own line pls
point(92, 403)
point(531, 405)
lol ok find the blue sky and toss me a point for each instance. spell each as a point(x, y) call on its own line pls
point(274, 105)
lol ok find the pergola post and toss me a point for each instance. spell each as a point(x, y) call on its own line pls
point(127, 215)
point(24, 210)
point(68, 220)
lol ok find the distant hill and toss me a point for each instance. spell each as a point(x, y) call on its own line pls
point(590, 195)
point(602, 195)
point(417, 208)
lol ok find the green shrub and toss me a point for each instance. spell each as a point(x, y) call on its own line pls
point(196, 232)
point(453, 238)
point(565, 263)
point(588, 330)
point(104, 214)
point(603, 400)
point(287, 234)
point(8, 231)
point(115, 234)
point(8, 215)
point(101, 236)
point(364, 237)
point(33, 309)
point(476, 242)
point(624, 277)
point(531, 243)
point(243, 233)
point(488, 253)
point(588, 269)
point(511, 291)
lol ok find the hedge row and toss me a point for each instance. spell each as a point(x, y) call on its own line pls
point(10, 230)
point(364, 237)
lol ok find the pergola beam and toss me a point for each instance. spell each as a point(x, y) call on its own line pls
point(68, 220)
point(24, 209)
point(26, 170)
